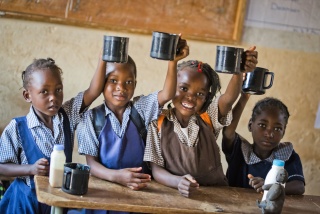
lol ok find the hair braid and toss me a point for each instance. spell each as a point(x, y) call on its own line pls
point(267, 103)
point(38, 64)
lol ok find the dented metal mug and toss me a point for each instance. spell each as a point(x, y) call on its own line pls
point(164, 45)
point(115, 49)
point(75, 178)
point(256, 81)
point(229, 59)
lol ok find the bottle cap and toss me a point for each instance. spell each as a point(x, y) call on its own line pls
point(277, 162)
point(58, 147)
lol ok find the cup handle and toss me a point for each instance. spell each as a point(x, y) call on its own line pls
point(271, 80)
point(66, 182)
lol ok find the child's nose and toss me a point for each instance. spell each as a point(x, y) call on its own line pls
point(269, 133)
point(121, 87)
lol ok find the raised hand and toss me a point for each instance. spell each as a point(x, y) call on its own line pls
point(250, 59)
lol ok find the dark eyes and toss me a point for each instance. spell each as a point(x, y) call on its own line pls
point(45, 92)
point(278, 129)
point(115, 81)
point(185, 89)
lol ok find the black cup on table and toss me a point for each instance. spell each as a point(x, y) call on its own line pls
point(75, 178)
point(115, 49)
point(256, 81)
point(164, 45)
point(229, 59)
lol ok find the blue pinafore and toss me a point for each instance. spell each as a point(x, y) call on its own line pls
point(118, 153)
point(24, 198)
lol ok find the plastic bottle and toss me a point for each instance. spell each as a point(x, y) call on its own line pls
point(272, 175)
point(57, 162)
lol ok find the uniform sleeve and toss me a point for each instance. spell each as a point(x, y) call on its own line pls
point(9, 144)
point(294, 168)
point(153, 149)
point(148, 107)
point(213, 112)
point(72, 108)
point(88, 143)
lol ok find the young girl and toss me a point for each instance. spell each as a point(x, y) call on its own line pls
point(181, 145)
point(27, 142)
point(116, 153)
point(250, 163)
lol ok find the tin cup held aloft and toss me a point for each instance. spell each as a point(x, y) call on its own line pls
point(115, 49)
point(164, 45)
point(256, 81)
point(229, 59)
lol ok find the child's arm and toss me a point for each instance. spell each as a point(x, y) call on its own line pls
point(229, 132)
point(234, 87)
point(130, 177)
point(185, 184)
point(295, 187)
point(41, 167)
point(170, 84)
point(96, 84)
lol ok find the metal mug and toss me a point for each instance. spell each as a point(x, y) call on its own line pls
point(255, 81)
point(75, 178)
point(228, 59)
point(115, 49)
point(164, 45)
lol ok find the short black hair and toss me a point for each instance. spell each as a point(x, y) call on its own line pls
point(39, 64)
point(212, 76)
point(267, 103)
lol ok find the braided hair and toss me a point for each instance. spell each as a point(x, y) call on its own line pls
point(39, 64)
point(267, 103)
point(212, 76)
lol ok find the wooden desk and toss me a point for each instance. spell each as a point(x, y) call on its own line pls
point(157, 198)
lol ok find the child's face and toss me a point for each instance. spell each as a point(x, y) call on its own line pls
point(191, 92)
point(119, 86)
point(45, 92)
point(267, 130)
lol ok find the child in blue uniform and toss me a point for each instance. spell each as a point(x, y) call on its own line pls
point(116, 153)
point(248, 164)
point(27, 142)
point(182, 150)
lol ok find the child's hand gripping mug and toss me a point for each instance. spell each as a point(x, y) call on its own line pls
point(115, 49)
point(164, 45)
point(255, 81)
point(76, 178)
point(229, 59)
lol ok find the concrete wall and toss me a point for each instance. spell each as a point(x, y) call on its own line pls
point(294, 57)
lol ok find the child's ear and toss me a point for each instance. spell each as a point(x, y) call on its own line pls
point(249, 125)
point(26, 95)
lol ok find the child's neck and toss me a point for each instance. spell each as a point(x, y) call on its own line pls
point(261, 154)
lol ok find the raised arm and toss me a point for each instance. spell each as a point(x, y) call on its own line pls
point(96, 84)
point(170, 84)
point(234, 87)
point(228, 133)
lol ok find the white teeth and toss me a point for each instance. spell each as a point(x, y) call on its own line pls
point(187, 105)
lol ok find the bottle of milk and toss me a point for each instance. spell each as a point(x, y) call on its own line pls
point(272, 175)
point(57, 162)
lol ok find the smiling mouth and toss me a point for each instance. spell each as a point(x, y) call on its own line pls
point(187, 106)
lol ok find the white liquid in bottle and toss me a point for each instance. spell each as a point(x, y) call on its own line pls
point(272, 175)
point(57, 162)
